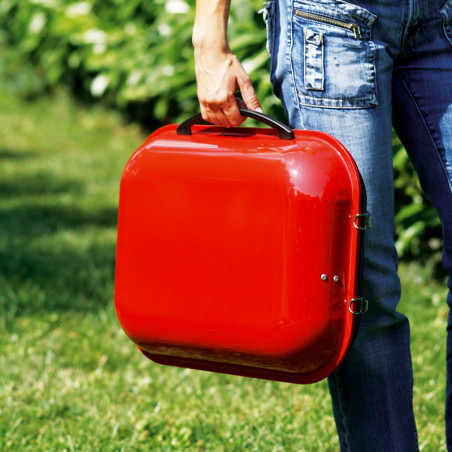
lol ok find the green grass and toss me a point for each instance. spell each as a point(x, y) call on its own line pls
point(70, 379)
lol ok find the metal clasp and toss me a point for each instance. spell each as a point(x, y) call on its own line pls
point(365, 221)
point(360, 306)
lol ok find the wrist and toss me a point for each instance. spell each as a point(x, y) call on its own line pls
point(214, 50)
point(209, 40)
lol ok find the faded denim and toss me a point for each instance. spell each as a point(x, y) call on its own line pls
point(355, 69)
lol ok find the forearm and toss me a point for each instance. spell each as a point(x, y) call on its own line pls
point(211, 22)
point(219, 73)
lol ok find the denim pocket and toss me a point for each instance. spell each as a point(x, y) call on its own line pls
point(446, 12)
point(332, 55)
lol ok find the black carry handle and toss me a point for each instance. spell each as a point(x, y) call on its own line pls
point(284, 131)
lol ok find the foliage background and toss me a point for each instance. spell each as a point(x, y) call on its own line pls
point(136, 56)
point(69, 377)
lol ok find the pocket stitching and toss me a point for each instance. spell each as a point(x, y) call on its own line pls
point(314, 75)
point(340, 8)
point(369, 100)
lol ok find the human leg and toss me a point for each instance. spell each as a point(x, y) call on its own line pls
point(331, 79)
point(423, 120)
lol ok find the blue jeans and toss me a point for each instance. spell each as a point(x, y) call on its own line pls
point(355, 69)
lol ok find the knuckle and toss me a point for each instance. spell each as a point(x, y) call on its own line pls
point(253, 102)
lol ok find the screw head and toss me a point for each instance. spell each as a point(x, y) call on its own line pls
point(324, 277)
point(336, 278)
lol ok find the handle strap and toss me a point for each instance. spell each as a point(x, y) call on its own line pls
point(284, 131)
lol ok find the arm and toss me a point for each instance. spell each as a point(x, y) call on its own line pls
point(219, 73)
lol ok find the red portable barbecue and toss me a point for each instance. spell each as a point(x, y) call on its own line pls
point(238, 250)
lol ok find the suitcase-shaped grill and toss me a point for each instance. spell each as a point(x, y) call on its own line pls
point(238, 250)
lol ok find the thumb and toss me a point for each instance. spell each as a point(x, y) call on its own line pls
point(249, 96)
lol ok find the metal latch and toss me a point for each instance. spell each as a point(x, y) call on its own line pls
point(363, 221)
point(360, 306)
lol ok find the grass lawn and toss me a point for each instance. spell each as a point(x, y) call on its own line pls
point(70, 379)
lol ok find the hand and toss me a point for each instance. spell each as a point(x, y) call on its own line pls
point(219, 75)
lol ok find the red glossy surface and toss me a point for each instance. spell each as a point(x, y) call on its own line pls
point(223, 238)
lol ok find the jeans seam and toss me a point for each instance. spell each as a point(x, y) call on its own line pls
point(447, 26)
point(344, 440)
point(424, 117)
point(290, 63)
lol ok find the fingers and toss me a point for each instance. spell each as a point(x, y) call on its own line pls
point(222, 116)
point(249, 95)
point(217, 83)
point(226, 114)
point(221, 108)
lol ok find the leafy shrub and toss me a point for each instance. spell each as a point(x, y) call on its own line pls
point(137, 56)
point(417, 227)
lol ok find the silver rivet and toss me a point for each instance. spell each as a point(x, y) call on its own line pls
point(336, 278)
point(324, 277)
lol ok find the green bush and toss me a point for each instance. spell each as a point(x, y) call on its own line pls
point(137, 56)
point(417, 227)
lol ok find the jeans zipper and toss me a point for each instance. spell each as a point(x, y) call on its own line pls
point(338, 23)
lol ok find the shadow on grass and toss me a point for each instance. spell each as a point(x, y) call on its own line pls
point(37, 184)
point(11, 154)
point(57, 246)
